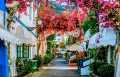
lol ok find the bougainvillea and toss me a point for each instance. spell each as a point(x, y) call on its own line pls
point(68, 20)
point(108, 10)
point(65, 22)
point(23, 4)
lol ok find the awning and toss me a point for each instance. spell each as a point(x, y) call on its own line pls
point(23, 35)
point(108, 37)
point(87, 35)
point(73, 47)
point(92, 41)
point(7, 36)
point(82, 47)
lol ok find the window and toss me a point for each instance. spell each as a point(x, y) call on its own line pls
point(18, 51)
point(25, 51)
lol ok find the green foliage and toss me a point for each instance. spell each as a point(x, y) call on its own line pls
point(93, 53)
point(50, 47)
point(85, 54)
point(94, 67)
point(23, 66)
point(71, 40)
point(47, 58)
point(65, 55)
point(39, 62)
point(101, 54)
point(91, 24)
point(74, 60)
point(118, 18)
point(63, 45)
point(51, 37)
point(48, 51)
point(106, 70)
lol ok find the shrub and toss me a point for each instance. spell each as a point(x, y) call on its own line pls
point(94, 67)
point(23, 66)
point(53, 56)
point(106, 70)
point(39, 62)
point(48, 51)
point(47, 58)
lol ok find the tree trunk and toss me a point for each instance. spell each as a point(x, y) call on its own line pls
point(39, 44)
point(38, 48)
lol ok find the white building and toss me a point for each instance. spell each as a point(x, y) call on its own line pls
point(27, 46)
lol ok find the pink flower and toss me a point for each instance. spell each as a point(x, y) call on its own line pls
point(96, 26)
point(100, 1)
point(98, 42)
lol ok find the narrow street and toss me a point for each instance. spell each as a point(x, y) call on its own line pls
point(59, 38)
point(60, 68)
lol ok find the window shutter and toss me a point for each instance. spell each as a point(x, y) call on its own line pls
point(18, 51)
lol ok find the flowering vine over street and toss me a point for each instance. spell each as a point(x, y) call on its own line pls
point(59, 38)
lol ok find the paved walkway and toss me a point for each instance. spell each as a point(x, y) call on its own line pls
point(60, 68)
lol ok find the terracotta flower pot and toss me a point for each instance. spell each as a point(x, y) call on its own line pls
point(73, 64)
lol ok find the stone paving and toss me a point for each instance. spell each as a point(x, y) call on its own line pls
point(60, 68)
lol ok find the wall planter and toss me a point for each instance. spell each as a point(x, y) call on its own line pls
point(73, 64)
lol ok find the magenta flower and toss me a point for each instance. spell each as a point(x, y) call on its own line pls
point(96, 26)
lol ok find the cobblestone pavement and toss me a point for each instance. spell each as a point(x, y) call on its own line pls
point(60, 68)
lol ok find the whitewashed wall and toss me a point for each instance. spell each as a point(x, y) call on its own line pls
point(13, 56)
point(13, 48)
